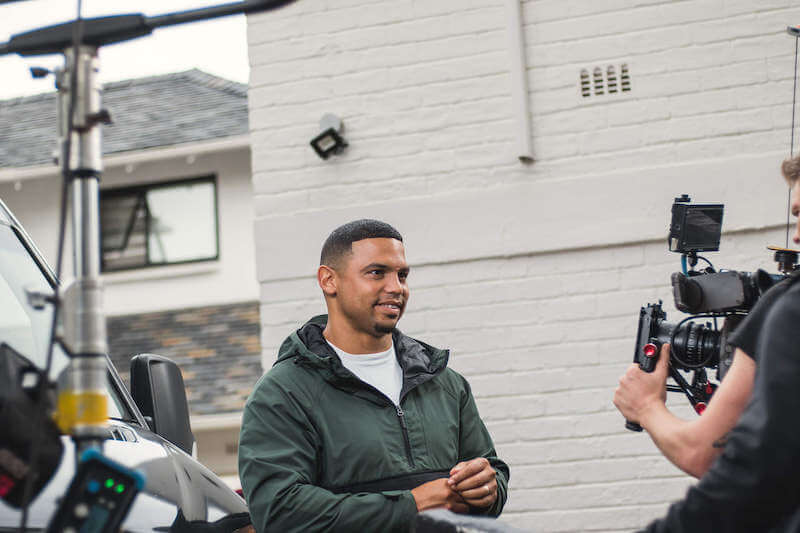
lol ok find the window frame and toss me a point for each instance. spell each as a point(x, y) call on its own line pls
point(141, 190)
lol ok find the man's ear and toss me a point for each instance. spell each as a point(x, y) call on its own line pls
point(326, 277)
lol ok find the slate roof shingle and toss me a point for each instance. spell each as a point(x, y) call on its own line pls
point(150, 112)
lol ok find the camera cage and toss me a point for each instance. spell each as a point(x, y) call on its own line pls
point(702, 294)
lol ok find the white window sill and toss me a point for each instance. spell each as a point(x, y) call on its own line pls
point(160, 272)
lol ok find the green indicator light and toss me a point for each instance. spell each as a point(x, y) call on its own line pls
point(109, 483)
point(120, 488)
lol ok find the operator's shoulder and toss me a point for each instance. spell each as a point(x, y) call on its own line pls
point(782, 322)
point(794, 288)
point(789, 303)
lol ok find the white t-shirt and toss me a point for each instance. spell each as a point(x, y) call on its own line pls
point(381, 370)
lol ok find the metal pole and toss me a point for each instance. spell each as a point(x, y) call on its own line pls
point(82, 400)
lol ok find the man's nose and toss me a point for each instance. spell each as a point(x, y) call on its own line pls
point(393, 283)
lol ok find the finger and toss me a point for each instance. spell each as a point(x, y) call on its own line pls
point(469, 469)
point(482, 503)
point(458, 467)
point(484, 477)
point(663, 359)
point(479, 492)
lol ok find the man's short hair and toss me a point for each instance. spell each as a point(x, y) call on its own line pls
point(791, 170)
point(340, 241)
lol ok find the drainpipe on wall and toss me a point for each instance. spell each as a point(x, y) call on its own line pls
point(519, 81)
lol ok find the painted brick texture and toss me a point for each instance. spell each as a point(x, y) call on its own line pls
point(542, 330)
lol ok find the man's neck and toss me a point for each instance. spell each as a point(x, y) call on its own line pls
point(355, 342)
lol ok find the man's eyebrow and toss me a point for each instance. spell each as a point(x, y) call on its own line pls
point(381, 266)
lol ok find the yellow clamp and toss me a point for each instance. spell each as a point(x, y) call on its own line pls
point(88, 408)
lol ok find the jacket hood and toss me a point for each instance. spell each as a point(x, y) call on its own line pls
point(308, 347)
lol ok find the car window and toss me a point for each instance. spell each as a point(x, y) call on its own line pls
point(24, 328)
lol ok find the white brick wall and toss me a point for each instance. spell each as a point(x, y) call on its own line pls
point(532, 275)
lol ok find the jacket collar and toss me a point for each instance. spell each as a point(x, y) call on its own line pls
point(419, 361)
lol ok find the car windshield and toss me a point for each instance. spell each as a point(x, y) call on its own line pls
point(24, 328)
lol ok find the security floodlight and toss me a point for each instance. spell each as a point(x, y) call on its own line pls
point(330, 140)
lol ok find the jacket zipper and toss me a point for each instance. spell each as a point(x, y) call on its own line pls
point(401, 417)
point(400, 413)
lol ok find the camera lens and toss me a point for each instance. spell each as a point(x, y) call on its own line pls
point(694, 345)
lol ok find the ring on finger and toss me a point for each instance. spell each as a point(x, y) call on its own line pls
point(488, 490)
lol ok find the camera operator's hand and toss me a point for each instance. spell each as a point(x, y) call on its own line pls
point(475, 481)
point(438, 494)
point(639, 392)
point(690, 445)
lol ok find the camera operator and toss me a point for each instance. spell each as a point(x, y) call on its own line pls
point(754, 484)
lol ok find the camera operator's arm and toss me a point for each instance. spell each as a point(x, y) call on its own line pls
point(690, 445)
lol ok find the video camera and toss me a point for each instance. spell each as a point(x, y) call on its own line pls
point(706, 293)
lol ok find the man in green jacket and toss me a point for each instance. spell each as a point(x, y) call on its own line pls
point(358, 427)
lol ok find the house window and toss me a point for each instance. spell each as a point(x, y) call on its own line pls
point(159, 224)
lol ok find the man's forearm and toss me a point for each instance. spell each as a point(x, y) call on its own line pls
point(304, 508)
point(681, 441)
point(693, 445)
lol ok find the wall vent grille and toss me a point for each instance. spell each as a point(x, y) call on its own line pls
point(598, 81)
point(586, 84)
point(607, 81)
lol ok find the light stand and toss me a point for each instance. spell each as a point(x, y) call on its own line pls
point(82, 409)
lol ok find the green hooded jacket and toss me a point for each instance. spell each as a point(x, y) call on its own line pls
point(320, 450)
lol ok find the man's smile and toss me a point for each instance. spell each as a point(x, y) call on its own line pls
point(393, 306)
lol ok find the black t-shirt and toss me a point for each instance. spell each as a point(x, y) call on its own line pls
point(745, 336)
point(754, 485)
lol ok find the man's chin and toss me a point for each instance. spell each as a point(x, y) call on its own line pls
point(383, 329)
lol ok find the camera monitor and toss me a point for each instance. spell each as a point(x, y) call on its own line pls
point(695, 228)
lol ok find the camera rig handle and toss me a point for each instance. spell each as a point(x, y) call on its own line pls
point(646, 350)
point(647, 362)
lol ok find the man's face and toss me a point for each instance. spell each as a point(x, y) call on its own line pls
point(795, 206)
point(372, 289)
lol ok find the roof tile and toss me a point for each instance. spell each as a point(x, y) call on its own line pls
point(165, 110)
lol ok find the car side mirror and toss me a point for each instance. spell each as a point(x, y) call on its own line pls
point(158, 390)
